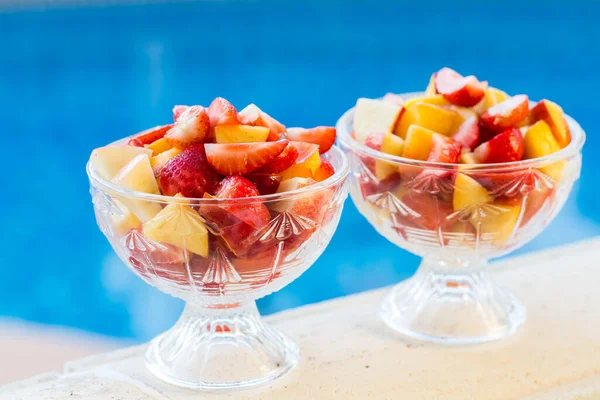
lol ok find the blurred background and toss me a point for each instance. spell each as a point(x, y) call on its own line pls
point(75, 75)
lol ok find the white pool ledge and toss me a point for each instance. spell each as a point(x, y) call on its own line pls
point(347, 352)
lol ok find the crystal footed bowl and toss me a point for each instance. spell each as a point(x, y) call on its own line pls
point(457, 217)
point(220, 256)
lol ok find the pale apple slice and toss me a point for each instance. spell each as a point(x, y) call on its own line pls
point(108, 160)
point(125, 222)
point(373, 116)
point(179, 225)
point(391, 144)
point(241, 133)
point(137, 175)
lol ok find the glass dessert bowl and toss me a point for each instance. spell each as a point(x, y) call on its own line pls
point(457, 216)
point(218, 252)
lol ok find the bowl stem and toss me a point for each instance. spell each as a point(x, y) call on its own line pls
point(220, 348)
point(452, 305)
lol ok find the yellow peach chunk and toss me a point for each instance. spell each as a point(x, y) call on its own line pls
point(374, 116)
point(418, 143)
point(464, 114)
point(553, 114)
point(432, 117)
point(306, 169)
point(179, 225)
point(468, 193)
point(431, 89)
point(158, 161)
point(159, 146)
point(241, 133)
point(393, 145)
point(468, 157)
point(539, 141)
point(435, 99)
point(497, 221)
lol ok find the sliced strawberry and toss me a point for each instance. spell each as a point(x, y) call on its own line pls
point(507, 114)
point(444, 150)
point(177, 111)
point(149, 136)
point(504, 147)
point(283, 161)
point(468, 134)
point(393, 98)
point(192, 127)
point(305, 150)
point(242, 158)
point(324, 136)
point(238, 222)
point(462, 91)
point(265, 183)
point(324, 171)
point(189, 174)
point(252, 115)
point(222, 112)
point(374, 141)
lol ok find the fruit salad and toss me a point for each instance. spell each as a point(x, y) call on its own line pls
point(463, 168)
point(223, 213)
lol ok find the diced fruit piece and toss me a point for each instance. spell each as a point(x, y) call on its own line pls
point(252, 115)
point(430, 90)
point(240, 133)
point(307, 163)
point(323, 136)
point(553, 115)
point(467, 157)
point(432, 211)
point(108, 160)
point(159, 161)
point(265, 183)
point(324, 171)
point(179, 225)
point(494, 96)
point(283, 161)
point(177, 111)
point(464, 114)
point(390, 144)
point(393, 98)
point(444, 150)
point(507, 114)
point(189, 173)
point(238, 223)
point(504, 147)
point(159, 146)
point(124, 223)
point(498, 222)
point(462, 91)
point(222, 112)
point(137, 175)
point(432, 117)
point(311, 206)
point(468, 192)
point(418, 143)
point(191, 127)
point(435, 99)
point(149, 135)
point(371, 116)
point(242, 158)
point(468, 133)
point(539, 142)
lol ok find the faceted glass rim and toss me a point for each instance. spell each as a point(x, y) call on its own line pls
point(335, 155)
point(344, 129)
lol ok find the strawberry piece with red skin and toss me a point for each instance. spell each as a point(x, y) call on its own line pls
point(507, 146)
point(177, 111)
point(465, 91)
point(444, 150)
point(192, 127)
point(149, 135)
point(238, 222)
point(222, 112)
point(323, 136)
point(242, 158)
point(265, 183)
point(189, 174)
point(283, 161)
point(305, 150)
point(468, 134)
point(507, 114)
point(254, 116)
point(393, 98)
point(324, 171)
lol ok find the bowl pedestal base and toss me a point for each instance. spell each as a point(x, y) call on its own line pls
point(452, 306)
point(220, 348)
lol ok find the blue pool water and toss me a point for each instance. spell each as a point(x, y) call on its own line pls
point(72, 79)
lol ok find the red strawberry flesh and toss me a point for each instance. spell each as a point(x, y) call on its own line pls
point(468, 134)
point(149, 135)
point(323, 136)
point(242, 158)
point(283, 161)
point(507, 146)
point(462, 91)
